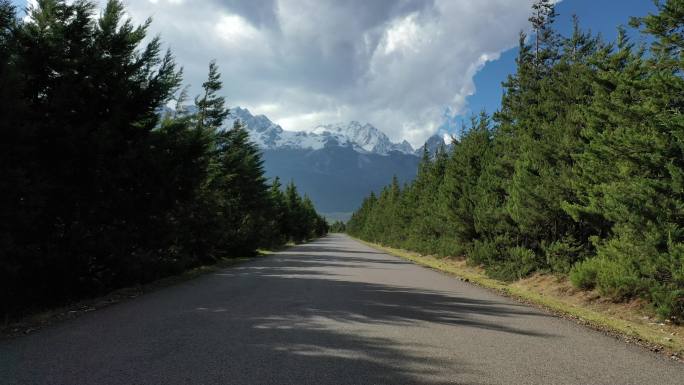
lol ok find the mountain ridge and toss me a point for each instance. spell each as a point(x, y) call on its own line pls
point(362, 137)
point(344, 160)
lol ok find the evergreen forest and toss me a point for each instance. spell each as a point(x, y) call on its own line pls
point(109, 176)
point(580, 172)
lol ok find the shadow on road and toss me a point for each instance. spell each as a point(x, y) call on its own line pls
point(312, 315)
point(309, 315)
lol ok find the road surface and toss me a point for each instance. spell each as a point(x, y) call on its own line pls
point(333, 311)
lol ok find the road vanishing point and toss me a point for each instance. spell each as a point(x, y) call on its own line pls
point(332, 311)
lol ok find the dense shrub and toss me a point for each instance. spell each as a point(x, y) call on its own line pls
point(518, 263)
point(562, 254)
point(584, 274)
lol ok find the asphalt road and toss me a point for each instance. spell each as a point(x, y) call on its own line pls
point(329, 312)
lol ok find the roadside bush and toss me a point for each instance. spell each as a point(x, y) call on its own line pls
point(449, 247)
point(519, 264)
point(482, 252)
point(668, 302)
point(584, 274)
point(562, 254)
point(667, 292)
point(616, 279)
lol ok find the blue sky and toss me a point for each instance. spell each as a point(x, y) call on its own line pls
point(398, 65)
point(599, 16)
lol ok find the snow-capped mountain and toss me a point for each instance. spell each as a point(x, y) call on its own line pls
point(433, 143)
point(363, 138)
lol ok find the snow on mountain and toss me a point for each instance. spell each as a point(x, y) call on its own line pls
point(363, 138)
point(433, 143)
point(405, 147)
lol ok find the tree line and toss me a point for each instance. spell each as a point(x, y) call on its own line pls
point(338, 227)
point(580, 172)
point(107, 176)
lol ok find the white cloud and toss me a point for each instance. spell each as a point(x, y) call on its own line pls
point(404, 35)
point(396, 64)
point(236, 30)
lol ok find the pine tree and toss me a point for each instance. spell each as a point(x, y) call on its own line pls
point(97, 190)
point(631, 173)
point(463, 171)
point(277, 231)
point(493, 222)
point(394, 219)
point(87, 208)
point(295, 216)
point(241, 189)
point(211, 110)
point(542, 178)
point(545, 37)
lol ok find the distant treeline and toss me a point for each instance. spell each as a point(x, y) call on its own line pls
point(97, 189)
point(338, 227)
point(581, 172)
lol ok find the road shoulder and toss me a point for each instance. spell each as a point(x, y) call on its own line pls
point(39, 320)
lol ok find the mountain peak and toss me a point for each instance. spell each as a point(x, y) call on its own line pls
point(362, 137)
point(433, 143)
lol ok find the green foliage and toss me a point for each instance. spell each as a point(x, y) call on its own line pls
point(338, 227)
point(211, 111)
point(580, 172)
point(96, 191)
point(562, 254)
point(519, 263)
point(463, 170)
point(584, 274)
point(615, 278)
point(667, 301)
point(301, 220)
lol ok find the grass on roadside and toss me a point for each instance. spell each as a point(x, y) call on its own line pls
point(633, 321)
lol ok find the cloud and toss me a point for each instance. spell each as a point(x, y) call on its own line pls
point(396, 64)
